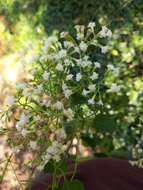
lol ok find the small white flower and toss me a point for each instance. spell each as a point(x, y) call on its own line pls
point(115, 88)
point(85, 92)
point(69, 77)
point(47, 157)
point(39, 89)
point(91, 101)
point(67, 62)
point(80, 28)
point(77, 27)
point(86, 58)
point(42, 59)
point(46, 103)
point(91, 25)
point(80, 33)
point(62, 53)
point(105, 32)
point(24, 132)
point(97, 64)
point(33, 145)
point(78, 77)
point(31, 59)
point(67, 93)
point(23, 120)
point(110, 67)
point(45, 75)
point(57, 158)
point(10, 100)
point(140, 150)
point(46, 47)
point(18, 127)
point(40, 167)
point(63, 34)
point(52, 150)
point(94, 76)
point(59, 67)
point(60, 134)
point(58, 105)
point(26, 94)
point(15, 150)
point(55, 150)
point(86, 64)
point(104, 49)
point(20, 86)
point(76, 49)
point(92, 87)
point(69, 114)
point(64, 86)
point(68, 44)
point(109, 33)
point(79, 62)
point(83, 46)
point(33, 72)
point(37, 118)
point(100, 102)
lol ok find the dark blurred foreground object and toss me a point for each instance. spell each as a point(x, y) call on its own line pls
point(102, 174)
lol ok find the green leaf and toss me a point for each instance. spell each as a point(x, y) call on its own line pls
point(77, 99)
point(73, 185)
point(69, 128)
point(105, 123)
point(88, 141)
point(49, 167)
point(62, 167)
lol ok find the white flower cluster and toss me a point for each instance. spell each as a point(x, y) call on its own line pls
point(67, 92)
point(58, 105)
point(22, 122)
point(21, 125)
point(115, 87)
point(10, 100)
point(70, 56)
point(54, 151)
point(45, 75)
point(60, 134)
point(57, 148)
point(66, 70)
point(105, 32)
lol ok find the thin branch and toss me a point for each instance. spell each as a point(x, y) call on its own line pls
point(16, 176)
point(5, 168)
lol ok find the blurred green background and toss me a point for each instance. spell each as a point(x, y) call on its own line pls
point(23, 23)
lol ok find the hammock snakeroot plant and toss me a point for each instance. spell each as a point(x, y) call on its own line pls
point(62, 94)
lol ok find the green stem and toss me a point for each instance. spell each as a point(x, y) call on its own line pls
point(5, 168)
point(16, 177)
point(75, 169)
point(54, 178)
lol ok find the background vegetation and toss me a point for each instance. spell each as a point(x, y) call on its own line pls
point(26, 22)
